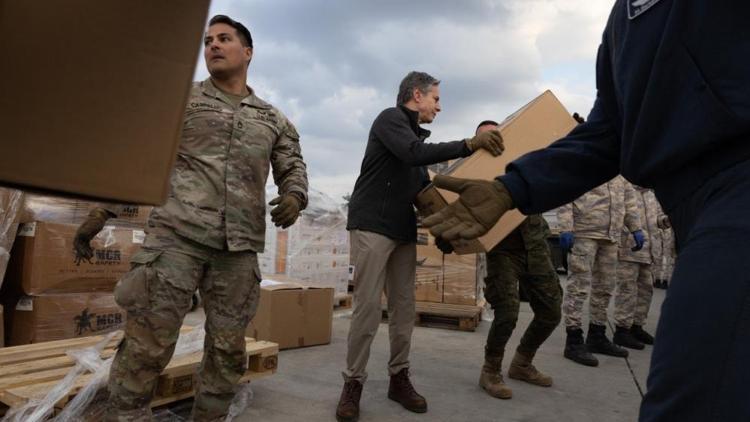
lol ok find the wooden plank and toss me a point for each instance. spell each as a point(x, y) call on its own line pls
point(50, 349)
point(262, 358)
point(24, 368)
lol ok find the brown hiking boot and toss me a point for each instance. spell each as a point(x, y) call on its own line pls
point(348, 408)
point(491, 379)
point(401, 391)
point(522, 369)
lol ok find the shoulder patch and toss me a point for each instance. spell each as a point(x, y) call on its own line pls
point(638, 7)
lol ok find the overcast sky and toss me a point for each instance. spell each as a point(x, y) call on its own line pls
point(332, 65)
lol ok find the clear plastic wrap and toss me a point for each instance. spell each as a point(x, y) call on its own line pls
point(315, 250)
point(11, 202)
point(75, 211)
point(88, 361)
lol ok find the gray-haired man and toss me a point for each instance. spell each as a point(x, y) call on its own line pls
point(383, 231)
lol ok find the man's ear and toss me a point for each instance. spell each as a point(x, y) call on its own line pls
point(417, 95)
point(249, 53)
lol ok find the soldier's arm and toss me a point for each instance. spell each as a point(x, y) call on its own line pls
point(289, 168)
point(632, 216)
point(565, 217)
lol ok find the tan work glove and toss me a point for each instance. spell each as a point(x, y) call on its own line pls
point(480, 205)
point(86, 231)
point(286, 211)
point(490, 140)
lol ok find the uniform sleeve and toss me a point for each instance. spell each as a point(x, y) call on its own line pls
point(565, 217)
point(632, 215)
point(584, 159)
point(289, 169)
point(393, 130)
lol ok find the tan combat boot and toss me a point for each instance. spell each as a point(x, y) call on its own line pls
point(491, 379)
point(522, 369)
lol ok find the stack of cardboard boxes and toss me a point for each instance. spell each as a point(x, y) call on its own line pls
point(453, 279)
point(47, 294)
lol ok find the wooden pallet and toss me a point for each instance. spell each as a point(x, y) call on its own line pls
point(33, 370)
point(444, 315)
point(343, 302)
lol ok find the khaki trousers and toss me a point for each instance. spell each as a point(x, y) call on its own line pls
point(380, 264)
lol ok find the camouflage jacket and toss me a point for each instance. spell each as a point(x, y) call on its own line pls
point(648, 211)
point(602, 212)
point(217, 188)
point(531, 234)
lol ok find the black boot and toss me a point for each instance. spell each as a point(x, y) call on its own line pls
point(576, 350)
point(598, 342)
point(641, 334)
point(625, 338)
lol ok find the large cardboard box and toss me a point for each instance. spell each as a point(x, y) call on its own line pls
point(43, 261)
point(88, 106)
point(292, 315)
point(62, 316)
point(535, 126)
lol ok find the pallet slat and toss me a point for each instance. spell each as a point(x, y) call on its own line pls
point(445, 315)
point(34, 376)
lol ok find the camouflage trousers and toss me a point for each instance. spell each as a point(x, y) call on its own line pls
point(157, 293)
point(634, 291)
point(532, 271)
point(591, 264)
point(664, 257)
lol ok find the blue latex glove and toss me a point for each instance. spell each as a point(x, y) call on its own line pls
point(566, 241)
point(640, 239)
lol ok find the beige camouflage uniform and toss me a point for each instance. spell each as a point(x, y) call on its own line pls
point(596, 219)
point(205, 237)
point(634, 278)
point(664, 256)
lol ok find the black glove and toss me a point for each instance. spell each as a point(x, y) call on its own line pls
point(578, 118)
point(444, 245)
point(86, 231)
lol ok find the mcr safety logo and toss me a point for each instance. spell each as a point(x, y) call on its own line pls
point(90, 322)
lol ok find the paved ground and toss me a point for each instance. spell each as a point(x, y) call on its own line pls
point(445, 367)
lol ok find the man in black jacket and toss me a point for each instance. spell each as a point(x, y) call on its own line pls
point(383, 233)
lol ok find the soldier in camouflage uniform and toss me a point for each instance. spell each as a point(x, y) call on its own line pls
point(206, 236)
point(591, 225)
point(522, 260)
point(634, 277)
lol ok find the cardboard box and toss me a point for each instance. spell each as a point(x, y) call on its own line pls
point(460, 282)
point(444, 278)
point(62, 316)
point(2, 326)
point(292, 315)
point(535, 126)
point(43, 261)
point(10, 213)
point(76, 211)
point(101, 120)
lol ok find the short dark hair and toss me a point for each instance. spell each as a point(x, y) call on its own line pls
point(245, 38)
point(487, 122)
point(414, 80)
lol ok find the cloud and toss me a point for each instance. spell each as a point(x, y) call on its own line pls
point(333, 65)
